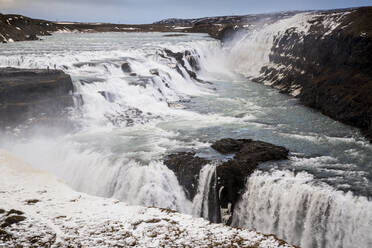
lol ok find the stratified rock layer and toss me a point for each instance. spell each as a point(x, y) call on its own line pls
point(328, 69)
point(29, 93)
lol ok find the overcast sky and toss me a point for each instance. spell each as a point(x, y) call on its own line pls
point(147, 11)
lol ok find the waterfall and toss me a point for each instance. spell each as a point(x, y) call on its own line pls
point(127, 85)
point(205, 203)
point(248, 53)
point(129, 120)
point(302, 212)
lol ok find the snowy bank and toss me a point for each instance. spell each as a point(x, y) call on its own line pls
point(38, 210)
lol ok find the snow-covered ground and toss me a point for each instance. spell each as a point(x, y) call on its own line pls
point(38, 210)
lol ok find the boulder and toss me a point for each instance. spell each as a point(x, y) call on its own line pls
point(125, 67)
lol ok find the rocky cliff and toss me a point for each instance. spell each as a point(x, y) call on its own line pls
point(228, 182)
point(27, 94)
point(329, 68)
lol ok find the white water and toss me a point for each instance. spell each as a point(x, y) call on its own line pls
point(117, 149)
point(201, 199)
point(250, 52)
point(125, 129)
point(300, 211)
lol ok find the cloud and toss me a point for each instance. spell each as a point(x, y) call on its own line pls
point(146, 11)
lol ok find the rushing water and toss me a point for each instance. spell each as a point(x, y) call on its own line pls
point(127, 122)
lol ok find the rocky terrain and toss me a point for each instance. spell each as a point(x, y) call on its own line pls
point(37, 210)
point(28, 95)
point(19, 28)
point(227, 184)
point(329, 68)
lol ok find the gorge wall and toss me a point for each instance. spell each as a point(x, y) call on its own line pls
point(329, 67)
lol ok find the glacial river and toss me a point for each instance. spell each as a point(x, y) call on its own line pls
point(124, 124)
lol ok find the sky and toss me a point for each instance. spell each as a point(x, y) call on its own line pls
point(148, 11)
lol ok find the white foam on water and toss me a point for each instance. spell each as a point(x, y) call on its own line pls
point(108, 158)
point(200, 202)
point(299, 210)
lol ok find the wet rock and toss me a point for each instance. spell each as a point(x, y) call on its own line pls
point(228, 146)
point(125, 67)
point(110, 97)
point(181, 63)
point(154, 72)
point(328, 70)
point(140, 81)
point(231, 175)
point(33, 93)
point(186, 166)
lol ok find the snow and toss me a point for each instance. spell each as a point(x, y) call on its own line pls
point(56, 216)
point(129, 28)
point(181, 28)
point(333, 21)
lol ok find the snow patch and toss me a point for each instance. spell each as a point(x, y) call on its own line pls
point(53, 214)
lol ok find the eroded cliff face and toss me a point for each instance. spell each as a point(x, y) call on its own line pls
point(28, 95)
point(329, 68)
point(226, 181)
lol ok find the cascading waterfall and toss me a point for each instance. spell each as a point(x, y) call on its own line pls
point(130, 119)
point(117, 151)
point(205, 202)
point(295, 207)
point(301, 212)
point(247, 54)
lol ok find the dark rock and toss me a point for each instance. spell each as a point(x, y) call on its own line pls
point(231, 175)
point(181, 63)
point(226, 146)
point(186, 166)
point(331, 73)
point(32, 201)
point(13, 211)
point(110, 97)
point(174, 35)
point(154, 72)
point(14, 219)
point(2, 211)
point(248, 155)
point(125, 67)
point(5, 236)
point(32, 37)
point(28, 93)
